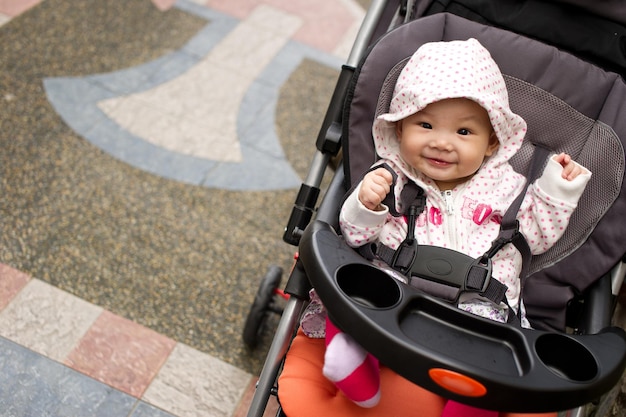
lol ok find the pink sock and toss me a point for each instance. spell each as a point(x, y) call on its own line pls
point(454, 409)
point(354, 371)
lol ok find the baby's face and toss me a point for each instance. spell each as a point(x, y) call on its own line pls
point(447, 141)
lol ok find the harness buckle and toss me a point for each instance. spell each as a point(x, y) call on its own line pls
point(479, 275)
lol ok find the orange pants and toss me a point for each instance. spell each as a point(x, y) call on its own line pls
point(303, 390)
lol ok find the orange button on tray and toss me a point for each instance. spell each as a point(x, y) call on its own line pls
point(457, 383)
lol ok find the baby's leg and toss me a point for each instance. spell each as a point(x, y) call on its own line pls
point(353, 370)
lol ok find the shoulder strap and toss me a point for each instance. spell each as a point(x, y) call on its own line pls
point(509, 227)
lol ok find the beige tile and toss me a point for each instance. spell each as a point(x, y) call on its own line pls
point(4, 19)
point(192, 384)
point(47, 320)
point(202, 137)
point(208, 93)
point(248, 49)
point(273, 19)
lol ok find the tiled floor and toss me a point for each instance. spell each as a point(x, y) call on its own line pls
point(63, 356)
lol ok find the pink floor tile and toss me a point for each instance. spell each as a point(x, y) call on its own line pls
point(121, 353)
point(11, 282)
point(15, 7)
point(325, 22)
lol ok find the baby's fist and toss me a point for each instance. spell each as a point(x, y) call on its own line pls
point(570, 168)
point(374, 188)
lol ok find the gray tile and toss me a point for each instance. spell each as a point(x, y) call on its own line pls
point(129, 80)
point(258, 106)
point(146, 410)
point(168, 69)
point(74, 100)
point(33, 385)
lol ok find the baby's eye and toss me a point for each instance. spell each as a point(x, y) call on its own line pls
point(425, 125)
point(463, 132)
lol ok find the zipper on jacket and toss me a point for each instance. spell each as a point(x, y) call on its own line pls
point(449, 199)
point(449, 223)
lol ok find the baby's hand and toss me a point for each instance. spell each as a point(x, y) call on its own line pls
point(570, 169)
point(374, 188)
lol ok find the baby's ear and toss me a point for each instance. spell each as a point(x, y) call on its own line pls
point(494, 143)
point(398, 126)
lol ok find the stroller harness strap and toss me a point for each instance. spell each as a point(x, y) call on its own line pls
point(446, 273)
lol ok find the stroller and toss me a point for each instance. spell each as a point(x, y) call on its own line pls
point(573, 357)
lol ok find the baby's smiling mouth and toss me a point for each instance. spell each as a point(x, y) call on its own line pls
point(437, 161)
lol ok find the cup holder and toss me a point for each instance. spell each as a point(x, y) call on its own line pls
point(566, 357)
point(368, 285)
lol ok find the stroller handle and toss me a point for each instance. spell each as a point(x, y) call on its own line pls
point(455, 354)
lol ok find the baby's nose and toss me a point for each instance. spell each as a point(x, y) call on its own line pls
point(442, 142)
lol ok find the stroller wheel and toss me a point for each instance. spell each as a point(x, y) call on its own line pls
point(261, 306)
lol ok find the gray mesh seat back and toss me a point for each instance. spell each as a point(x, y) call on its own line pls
point(569, 105)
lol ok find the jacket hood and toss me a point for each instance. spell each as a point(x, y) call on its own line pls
point(444, 70)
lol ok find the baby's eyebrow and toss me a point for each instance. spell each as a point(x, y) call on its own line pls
point(469, 117)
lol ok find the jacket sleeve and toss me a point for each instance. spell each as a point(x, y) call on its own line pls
point(358, 224)
point(548, 206)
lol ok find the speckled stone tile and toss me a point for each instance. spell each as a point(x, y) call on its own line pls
point(184, 260)
point(194, 384)
point(121, 353)
point(33, 385)
point(47, 320)
point(11, 282)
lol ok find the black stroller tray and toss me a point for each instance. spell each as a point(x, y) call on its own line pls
point(453, 353)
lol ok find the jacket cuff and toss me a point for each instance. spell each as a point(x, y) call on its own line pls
point(554, 185)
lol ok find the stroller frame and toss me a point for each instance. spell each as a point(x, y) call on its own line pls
point(328, 146)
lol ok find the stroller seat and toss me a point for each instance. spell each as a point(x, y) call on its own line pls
point(570, 106)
